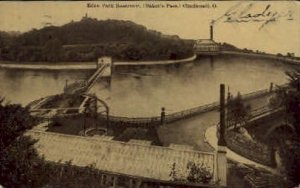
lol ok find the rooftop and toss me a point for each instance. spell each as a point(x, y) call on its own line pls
point(205, 41)
point(134, 158)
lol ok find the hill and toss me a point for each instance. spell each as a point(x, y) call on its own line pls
point(89, 38)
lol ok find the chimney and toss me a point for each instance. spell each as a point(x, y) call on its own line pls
point(211, 32)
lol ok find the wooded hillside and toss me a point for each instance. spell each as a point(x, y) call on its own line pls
point(88, 39)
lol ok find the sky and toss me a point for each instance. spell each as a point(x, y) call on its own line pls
point(279, 36)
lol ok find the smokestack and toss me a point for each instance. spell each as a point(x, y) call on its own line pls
point(211, 32)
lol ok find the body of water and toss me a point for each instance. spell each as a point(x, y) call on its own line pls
point(143, 92)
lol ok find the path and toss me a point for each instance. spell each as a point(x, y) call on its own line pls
point(211, 138)
point(191, 131)
point(87, 65)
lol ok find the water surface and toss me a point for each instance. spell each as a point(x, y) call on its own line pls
point(143, 92)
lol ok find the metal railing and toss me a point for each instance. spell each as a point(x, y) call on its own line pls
point(169, 118)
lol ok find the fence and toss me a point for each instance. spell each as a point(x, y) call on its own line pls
point(169, 118)
point(82, 86)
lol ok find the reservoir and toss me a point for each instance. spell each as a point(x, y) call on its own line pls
point(143, 92)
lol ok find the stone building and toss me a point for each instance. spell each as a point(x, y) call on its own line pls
point(207, 46)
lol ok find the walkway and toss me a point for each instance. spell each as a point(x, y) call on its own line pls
point(103, 70)
point(211, 137)
point(191, 131)
point(88, 65)
point(99, 72)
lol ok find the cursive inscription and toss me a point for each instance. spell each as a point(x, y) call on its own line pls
point(249, 13)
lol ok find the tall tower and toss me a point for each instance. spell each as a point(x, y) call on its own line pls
point(221, 150)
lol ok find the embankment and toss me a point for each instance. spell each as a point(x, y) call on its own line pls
point(285, 59)
point(89, 65)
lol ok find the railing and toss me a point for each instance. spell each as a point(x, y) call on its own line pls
point(260, 111)
point(169, 118)
point(95, 77)
point(83, 86)
point(166, 62)
point(191, 112)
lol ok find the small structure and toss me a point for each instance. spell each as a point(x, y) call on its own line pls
point(207, 46)
point(104, 70)
point(107, 62)
point(204, 46)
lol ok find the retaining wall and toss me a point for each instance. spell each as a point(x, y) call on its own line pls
point(254, 151)
point(267, 56)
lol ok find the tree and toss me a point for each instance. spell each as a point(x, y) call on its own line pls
point(20, 165)
point(291, 149)
point(238, 113)
point(81, 36)
point(16, 152)
point(288, 98)
point(14, 120)
point(198, 173)
point(53, 50)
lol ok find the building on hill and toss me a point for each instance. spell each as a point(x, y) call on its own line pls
point(207, 46)
point(203, 46)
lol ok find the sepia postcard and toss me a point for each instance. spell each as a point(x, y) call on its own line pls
point(162, 94)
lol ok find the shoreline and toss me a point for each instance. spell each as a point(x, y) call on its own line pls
point(49, 66)
point(92, 65)
point(284, 59)
point(88, 65)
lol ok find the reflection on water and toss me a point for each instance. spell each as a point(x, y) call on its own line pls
point(191, 85)
point(144, 92)
point(23, 86)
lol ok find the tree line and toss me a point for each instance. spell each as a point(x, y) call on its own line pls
point(89, 39)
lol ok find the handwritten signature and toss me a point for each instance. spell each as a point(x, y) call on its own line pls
point(265, 15)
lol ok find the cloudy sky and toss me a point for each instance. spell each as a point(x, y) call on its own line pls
point(281, 35)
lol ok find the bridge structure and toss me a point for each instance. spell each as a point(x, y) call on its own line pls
point(75, 98)
point(104, 70)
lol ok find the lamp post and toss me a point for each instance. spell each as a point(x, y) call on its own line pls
point(221, 150)
point(162, 116)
